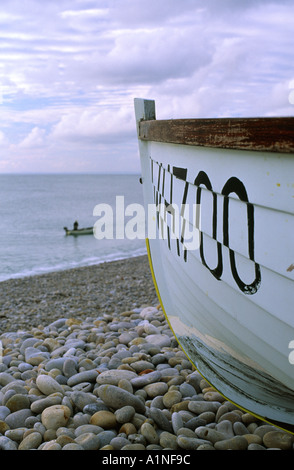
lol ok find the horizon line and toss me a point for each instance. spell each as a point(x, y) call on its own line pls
point(69, 173)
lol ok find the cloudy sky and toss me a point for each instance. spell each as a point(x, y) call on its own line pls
point(70, 70)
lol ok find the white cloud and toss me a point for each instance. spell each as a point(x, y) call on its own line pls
point(36, 138)
point(69, 70)
point(2, 139)
point(94, 126)
point(91, 12)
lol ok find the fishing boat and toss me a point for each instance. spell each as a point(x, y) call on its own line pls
point(79, 231)
point(222, 250)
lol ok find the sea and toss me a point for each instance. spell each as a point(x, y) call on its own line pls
point(34, 209)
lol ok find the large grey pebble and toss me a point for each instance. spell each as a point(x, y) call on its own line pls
point(32, 353)
point(89, 441)
point(209, 434)
point(69, 352)
point(18, 418)
point(116, 326)
point(73, 446)
point(194, 379)
point(4, 411)
point(85, 376)
point(5, 378)
point(16, 434)
point(199, 407)
point(187, 390)
point(256, 447)
point(126, 337)
point(92, 408)
point(134, 447)
point(177, 422)
point(190, 443)
point(156, 389)
point(160, 419)
point(149, 432)
point(161, 341)
point(56, 363)
point(29, 342)
point(265, 428)
point(48, 385)
point(17, 401)
point(167, 371)
point(125, 414)
point(114, 363)
point(116, 397)
point(121, 354)
point(59, 352)
point(157, 402)
point(240, 428)
point(75, 343)
point(57, 323)
point(31, 441)
point(149, 348)
point(146, 379)
point(105, 437)
point(140, 366)
point(159, 358)
point(39, 405)
point(24, 367)
point(234, 443)
point(112, 377)
point(195, 422)
point(150, 329)
point(55, 416)
point(17, 385)
point(119, 442)
point(69, 367)
point(87, 428)
point(149, 313)
point(168, 440)
point(80, 399)
point(226, 427)
point(7, 444)
point(29, 374)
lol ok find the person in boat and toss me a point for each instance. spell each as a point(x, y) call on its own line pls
point(75, 225)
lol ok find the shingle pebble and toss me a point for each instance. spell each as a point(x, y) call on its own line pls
point(116, 381)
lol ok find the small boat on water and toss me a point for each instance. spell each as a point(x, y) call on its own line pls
point(80, 231)
point(76, 231)
point(222, 257)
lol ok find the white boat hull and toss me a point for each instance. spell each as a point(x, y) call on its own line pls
point(230, 300)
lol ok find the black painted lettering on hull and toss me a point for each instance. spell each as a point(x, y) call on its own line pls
point(202, 178)
point(233, 185)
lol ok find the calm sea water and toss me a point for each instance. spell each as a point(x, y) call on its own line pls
point(35, 208)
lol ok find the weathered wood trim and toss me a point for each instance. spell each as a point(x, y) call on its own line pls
point(258, 134)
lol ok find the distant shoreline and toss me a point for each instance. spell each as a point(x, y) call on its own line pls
point(54, 269)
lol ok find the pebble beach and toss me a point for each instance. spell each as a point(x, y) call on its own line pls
point(89, 362)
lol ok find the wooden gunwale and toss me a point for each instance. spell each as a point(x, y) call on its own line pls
point(272, 134)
